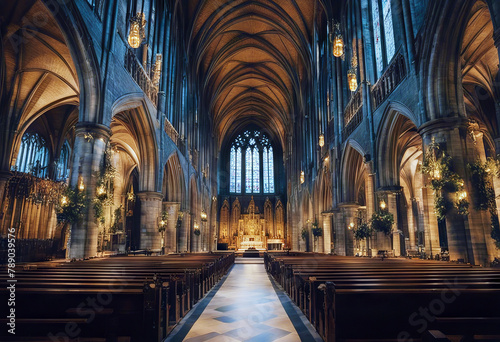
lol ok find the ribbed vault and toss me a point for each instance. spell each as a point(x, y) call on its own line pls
point(252, 60)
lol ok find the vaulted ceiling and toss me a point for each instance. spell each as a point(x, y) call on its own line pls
point(252, 59)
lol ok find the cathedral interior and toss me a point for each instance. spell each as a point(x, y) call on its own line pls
point(339, 142)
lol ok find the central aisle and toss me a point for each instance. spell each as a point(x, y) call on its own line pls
point(246, 308)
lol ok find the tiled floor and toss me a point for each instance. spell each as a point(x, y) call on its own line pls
point(245, 308)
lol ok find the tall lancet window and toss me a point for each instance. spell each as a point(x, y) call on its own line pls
point(235, 166)
point(268, 166)
point(383, 33)
point(251, 164)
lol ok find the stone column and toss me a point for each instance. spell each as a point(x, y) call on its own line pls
point(350, 211)
point(392, 207)
point(4, 179)
point(451, 133)
point(151, 205)
point(172, 208)
point(327, 232)
point(90, 145)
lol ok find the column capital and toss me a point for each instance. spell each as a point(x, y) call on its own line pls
point(96, 130)
point(391, 189)
point(150, 196)
point(442, 124)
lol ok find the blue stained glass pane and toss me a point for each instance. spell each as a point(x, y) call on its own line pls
point(271, 170)
point(388, 29)
point(238, 170)
point(377, 37)
point(265, 166)
point(255, 157)
point(248, 171)
point(232, 173)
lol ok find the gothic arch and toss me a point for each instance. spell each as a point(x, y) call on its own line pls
point(353, 172)
point(173, 180)
point(134, 132)
point(398, 140)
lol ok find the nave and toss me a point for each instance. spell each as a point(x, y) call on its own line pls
point(284, 297)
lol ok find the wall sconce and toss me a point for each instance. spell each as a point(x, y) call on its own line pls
point(351, 226)
point(382, 205)
point(81, 186)
point(302, 177)
point(203, 216)
point(101, 190)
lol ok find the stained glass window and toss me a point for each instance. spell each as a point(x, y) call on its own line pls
point(257, 149)
point(232, 173)
point(33, 156)
point(265, 168)
point(377, 37)
point(238, 170)
point(271, 170)
point(388, 29)
point(248, 170)
point(256, 182)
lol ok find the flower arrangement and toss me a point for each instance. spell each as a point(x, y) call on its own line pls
point(316, 231)
point(363, 231)
point(71, 208)
point(304, 233)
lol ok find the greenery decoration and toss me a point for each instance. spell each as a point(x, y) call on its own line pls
point(164, 218)
point(483, 195)
point(105, 186)
point(441, 207)
point(71, 209)
point(316, 231)
point(495, 230)
point(438, 166)
point(117, 225)
point(382, 222)
point(304, 233)
point(363, 231)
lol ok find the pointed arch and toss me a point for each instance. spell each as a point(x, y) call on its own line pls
point(174, 186)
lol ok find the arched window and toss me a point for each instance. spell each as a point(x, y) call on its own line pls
point(33, 156)
point(248, 152)
point(382, 24)
point(63, 163)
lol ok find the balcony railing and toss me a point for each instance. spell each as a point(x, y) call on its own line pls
point(391, 78)
point(141, 77)
point(171, 132)
point(353, 114)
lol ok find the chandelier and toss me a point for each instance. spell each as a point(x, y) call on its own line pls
point(137, 32)
point(336, 40)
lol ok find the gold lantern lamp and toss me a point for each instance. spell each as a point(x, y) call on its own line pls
point(321, 140)
point(352, 79)
point(337, 40)
point(136, 33)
